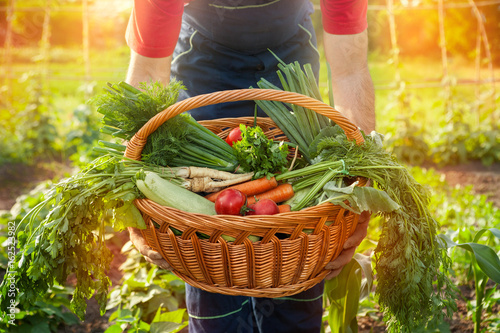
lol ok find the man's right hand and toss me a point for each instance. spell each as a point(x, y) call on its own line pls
point(149, 254)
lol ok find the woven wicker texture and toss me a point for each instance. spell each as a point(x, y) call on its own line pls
point(295, 246)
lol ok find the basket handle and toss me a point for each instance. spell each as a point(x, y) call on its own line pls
point(138, 141)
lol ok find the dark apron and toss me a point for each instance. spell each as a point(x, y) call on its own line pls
point(224, 44)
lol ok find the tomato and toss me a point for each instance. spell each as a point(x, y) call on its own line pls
point(233, 136)
point(230, 202)
point(263, 207)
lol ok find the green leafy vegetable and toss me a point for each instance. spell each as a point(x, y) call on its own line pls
point(411, 263)
point(180, 141)
point(70, 239)
point(256, 153)
point(360, 198)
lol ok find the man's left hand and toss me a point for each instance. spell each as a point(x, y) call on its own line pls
point(350, 246)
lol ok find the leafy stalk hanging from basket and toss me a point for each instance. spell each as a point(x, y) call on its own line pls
point(411, 264)
point(70, 238)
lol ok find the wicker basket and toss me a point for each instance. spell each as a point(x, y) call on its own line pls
point(276, 266)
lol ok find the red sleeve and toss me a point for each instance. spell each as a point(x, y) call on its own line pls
point(154, 26)
point(344, 17)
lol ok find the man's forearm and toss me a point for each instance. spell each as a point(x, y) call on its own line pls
point(352, 84)
point(354, 96)
point(144, 69)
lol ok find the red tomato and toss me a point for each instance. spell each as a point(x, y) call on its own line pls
point(230, 202)
point(234, 135)
point(263, 207)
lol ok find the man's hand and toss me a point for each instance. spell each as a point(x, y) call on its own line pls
point(349, 246)
point(144, 69)
point(148, 253)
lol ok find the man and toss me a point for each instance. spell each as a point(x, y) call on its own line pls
point(213, 45)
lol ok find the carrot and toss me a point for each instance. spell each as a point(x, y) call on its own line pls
point(278, 194)
point(249, 188)
point(284, 208)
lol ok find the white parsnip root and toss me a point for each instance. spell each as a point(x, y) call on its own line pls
point(209, 180)
point(195, 172)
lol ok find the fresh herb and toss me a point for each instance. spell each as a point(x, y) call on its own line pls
point(256, 153)
point(70, 239)
point(411, 262)
point(180, 141)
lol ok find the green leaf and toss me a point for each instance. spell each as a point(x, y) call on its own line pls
point(345, 292)
point(64, 228)
point(256, 153)
point(486, 258)
point(166, 327)
point(494, 231)
point(162, 301)
point(171, 321)
point(116, 328)
point(128, 216)
point(332, 189)
point(329, 131)
point(374, 200)
point(361, 198)
point(365, 263)
point(176, 316)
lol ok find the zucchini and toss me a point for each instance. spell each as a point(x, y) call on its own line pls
point(168, 194)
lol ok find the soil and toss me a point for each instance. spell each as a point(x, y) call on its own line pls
point(484, 179)
point(18, 179)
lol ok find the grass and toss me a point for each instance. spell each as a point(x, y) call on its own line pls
point(65, 72)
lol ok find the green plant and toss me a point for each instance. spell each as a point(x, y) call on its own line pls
point(484, 144)
point(46, 314)
point(35, 128)
point(467, 218)
point(484, 264)
point(30, 129)
point(407, 139)
point(82, 136)
point(148, 300)
point(342, 294)
point(459, 141)
point(460, 212)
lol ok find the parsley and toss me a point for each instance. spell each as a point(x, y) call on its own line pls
point(255, 152)
point(69, 239)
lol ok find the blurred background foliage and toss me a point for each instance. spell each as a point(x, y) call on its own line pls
point(430, 60)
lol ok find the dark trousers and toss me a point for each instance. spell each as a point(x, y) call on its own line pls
point(301, 313)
